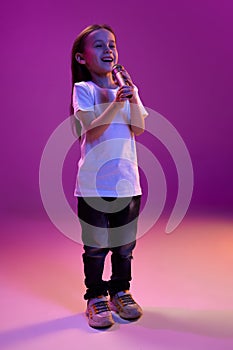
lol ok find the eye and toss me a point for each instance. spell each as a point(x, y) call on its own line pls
point(98, 45)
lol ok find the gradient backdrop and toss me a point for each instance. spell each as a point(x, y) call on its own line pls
point(179, 53)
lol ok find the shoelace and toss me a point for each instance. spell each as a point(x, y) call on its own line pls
point(126, 299)
point(101, 306)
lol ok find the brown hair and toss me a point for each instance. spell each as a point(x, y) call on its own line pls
point(79, 71)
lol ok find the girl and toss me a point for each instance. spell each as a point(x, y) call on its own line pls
point(108, 187)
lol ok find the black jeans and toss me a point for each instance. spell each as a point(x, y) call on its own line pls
point(108, 224)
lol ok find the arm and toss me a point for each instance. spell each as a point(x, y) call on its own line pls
point(137, 118)
point(83, 102)
point(95, 127)
point(137, 112)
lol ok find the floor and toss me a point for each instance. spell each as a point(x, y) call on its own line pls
point(183, 281)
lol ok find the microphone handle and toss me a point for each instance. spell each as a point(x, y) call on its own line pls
point(121, 81)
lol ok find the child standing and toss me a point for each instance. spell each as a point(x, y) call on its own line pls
point(108, 187)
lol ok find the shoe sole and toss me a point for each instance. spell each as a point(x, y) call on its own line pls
point(93, 324)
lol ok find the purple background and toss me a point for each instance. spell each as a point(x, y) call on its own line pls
point(179, 54)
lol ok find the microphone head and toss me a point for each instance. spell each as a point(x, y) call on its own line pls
point(117, 68)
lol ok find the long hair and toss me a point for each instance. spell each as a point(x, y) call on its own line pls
point(79, 71)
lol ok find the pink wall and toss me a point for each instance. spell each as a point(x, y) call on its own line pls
point(179, 54)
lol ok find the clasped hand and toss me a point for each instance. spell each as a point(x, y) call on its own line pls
point(126, 90)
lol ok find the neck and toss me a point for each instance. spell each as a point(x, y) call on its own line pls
point(104, 81)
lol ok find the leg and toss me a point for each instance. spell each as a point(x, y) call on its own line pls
point(125, 226)
point(121, 268)
point(94, 235)
point(123, 229)
point(98, 309)
point(93, 259)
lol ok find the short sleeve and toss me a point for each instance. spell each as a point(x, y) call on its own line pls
point(83, 98)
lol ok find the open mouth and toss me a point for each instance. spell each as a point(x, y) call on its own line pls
point(107, 59)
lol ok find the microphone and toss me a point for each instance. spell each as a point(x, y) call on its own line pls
point(117, 74)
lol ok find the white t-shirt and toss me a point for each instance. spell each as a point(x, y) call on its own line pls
point(107, 166)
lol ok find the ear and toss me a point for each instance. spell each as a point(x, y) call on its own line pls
point(79, 58)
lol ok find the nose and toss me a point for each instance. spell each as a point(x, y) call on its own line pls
point(107, 49)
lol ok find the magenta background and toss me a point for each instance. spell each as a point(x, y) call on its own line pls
point(180, 55)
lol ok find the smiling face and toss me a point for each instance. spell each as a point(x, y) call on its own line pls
point(100, 52)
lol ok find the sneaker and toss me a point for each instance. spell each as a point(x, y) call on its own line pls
point(99, 313)
point(123, 303)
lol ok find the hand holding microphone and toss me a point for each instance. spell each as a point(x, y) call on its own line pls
point(122, 77)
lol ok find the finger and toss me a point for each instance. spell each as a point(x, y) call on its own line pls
point(126, 89)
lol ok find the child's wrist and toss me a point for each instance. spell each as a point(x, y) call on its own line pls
point(133, 99)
